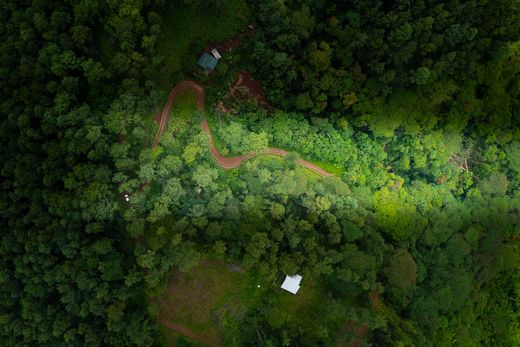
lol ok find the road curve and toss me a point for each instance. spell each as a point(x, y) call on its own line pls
point(224, 162)
point(179, 88)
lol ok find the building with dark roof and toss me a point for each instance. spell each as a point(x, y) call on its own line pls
point(207, 61)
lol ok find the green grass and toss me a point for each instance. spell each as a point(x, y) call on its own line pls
point(185, 106)
point(187, 30)
point(171, 338)
point(330, 168)
point(210, 290)
point(184, 113)
point(293, 303)
point(306, 307)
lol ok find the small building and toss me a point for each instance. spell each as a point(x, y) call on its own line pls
point(292, 283)
point(207, 61)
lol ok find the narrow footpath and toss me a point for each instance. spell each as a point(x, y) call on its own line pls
point(224, 162)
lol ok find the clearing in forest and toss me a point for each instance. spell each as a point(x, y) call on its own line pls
point(210, 297)
point(246, 87)
point(214, 297)
point(184, 106)
point(186, 29)
point(184, 113)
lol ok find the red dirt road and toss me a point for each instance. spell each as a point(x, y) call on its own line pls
point(224, 162)
point(179, 88)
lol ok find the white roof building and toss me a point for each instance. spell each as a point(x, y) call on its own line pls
point(215, 53)
point(292, 283)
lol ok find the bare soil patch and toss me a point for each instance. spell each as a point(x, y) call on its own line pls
point(359, 332)
point(375, 300)
point(222, 108)
point(157, 117)
point(224, 47)
point(245, 88)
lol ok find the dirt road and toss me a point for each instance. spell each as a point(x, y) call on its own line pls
point(224, 162)
point(179, 88)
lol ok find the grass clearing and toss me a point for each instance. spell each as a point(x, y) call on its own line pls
point(305, 308)
point(184, 114)
point(211, 300)
point(209, 297)
point(171, 338)
point(330, 168)
point(185, 105)
point(307, 294)
point(294, 302)
point(186, 30)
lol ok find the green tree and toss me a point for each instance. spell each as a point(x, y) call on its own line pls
point(401, 273)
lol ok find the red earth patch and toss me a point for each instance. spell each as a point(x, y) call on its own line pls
point(245, 87)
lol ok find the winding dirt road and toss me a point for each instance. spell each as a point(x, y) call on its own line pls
point(224, 162)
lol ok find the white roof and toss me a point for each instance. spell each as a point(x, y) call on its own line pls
point(215, 53)
point(292, 283)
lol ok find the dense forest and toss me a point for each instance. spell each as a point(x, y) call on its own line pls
point(70, 74)
point(412, 106)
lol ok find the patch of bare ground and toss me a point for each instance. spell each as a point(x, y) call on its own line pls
point(246, 87)
point(224, 47)
point(375, 300)
point(360, 330)
point(157, 117)
point(222, 108)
